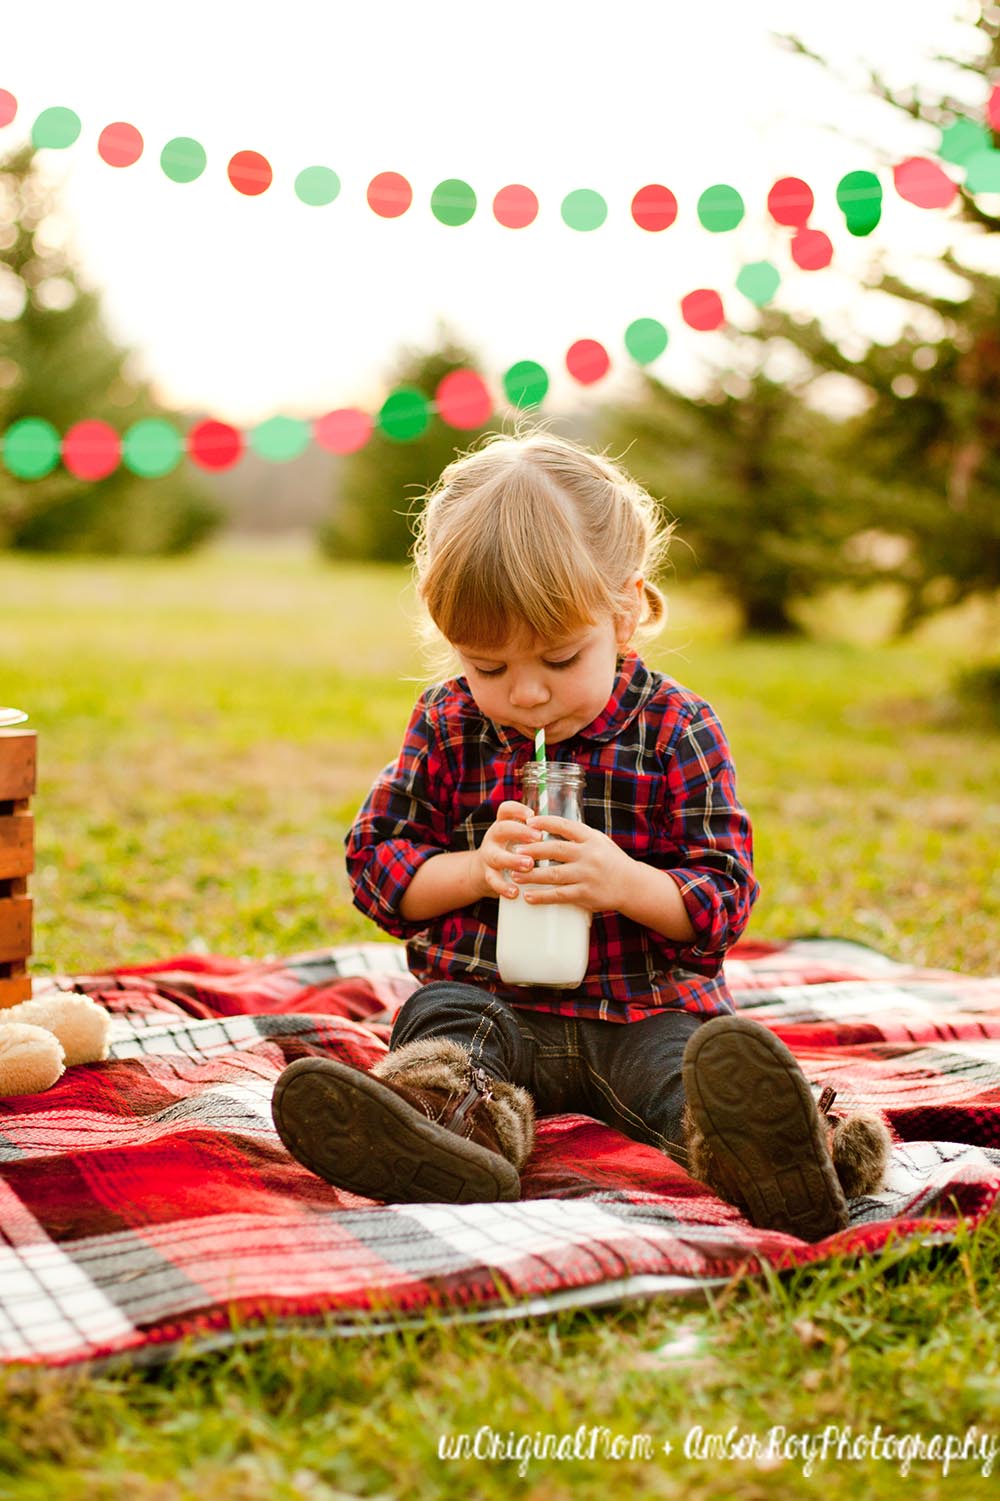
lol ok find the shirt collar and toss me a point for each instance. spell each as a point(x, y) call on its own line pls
point(632, 687)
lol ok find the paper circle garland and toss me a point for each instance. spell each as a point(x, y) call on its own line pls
point(215, 445)
point(389, 195)
point(405, 415)
point(8, 107)
point(859, 197)
point(703, 310)
point(280, 439)
point(790, 202)
point(343, 431)
point(515, 206)
point(120, 145)
point(961, 139)
point(526, 384)
point(645, 340)
point(923, 182)
point(758, 282)
point(91, 450)
point(982, 172)
point(152, 448)
point(182, 159)
point(720, 208)
point(453, 202)
point(654, 207)
point(250, 173)
point(583, 209)
point(463, 400)
point(56, 127)
point(812, 249)
point(587, 361)
point(31, 448)
point(317, 186)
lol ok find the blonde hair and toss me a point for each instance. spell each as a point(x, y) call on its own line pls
point(535, 532)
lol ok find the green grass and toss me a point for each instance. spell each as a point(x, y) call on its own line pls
point(206, 730)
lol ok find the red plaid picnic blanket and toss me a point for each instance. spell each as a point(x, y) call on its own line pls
point(147, 1201)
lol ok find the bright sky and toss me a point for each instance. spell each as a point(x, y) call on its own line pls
point(247, 307)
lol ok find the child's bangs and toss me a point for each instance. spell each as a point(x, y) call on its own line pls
point(485, 598)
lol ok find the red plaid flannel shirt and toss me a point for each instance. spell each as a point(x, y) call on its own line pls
point(659, 780)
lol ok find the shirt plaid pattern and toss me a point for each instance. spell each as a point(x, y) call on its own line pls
point(659, 781)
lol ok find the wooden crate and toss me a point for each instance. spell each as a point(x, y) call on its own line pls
point(17, 859)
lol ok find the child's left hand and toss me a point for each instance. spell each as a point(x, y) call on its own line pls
point(590, 870)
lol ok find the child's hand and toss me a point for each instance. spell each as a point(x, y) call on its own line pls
point(493, 860)
point(590, 870)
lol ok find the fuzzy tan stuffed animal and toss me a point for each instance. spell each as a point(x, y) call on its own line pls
point(42, 1037)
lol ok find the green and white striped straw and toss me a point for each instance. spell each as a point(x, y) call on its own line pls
point(543, 789)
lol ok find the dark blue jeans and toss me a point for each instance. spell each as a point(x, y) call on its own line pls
point(625, 1074)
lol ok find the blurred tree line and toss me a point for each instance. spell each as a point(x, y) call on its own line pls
point(58, 362)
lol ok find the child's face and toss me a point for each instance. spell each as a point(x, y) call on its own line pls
point(561, 685)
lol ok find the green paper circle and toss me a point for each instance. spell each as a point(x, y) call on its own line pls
point(859, 194)
point(280, 438)
point(526, 384)
point(720, 208)
point(152, 448)
point(584, 209)
point(982, 172)
point(963, 138)
point(317, 186)
point(56, 127)
point(453, 202)
point(758, 281)
point(405, 415)
point(31, 448)
point(183, 159)
point(645, 340)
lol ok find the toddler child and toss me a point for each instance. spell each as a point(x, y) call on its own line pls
point(534, 560)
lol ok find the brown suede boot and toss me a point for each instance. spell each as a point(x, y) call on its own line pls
point(424, 1125)
point(754, 1133)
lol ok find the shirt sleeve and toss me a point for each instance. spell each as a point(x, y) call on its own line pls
point(400, 825)
point(710, 843)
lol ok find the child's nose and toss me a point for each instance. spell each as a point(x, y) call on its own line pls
point(526, 692)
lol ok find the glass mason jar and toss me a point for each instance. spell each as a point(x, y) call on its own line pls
point(545, 943)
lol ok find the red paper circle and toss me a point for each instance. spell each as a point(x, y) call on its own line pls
point(812, 249)
point(587, 361)
point(703, 310)
point(654, 207)
point(250, 173)
point(91, 450)
point(8, 107)
point(119, 145)
point(515, 206)
point(923, 182)
point(343, 431)
point(463, 400)
point(215, 445)
point(790, 201)
point(993, 109)
point(389, 195)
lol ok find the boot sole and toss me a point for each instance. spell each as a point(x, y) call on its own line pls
point(752, 1104)
point(352, 1130)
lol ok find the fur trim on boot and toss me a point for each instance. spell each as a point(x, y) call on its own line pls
point(861, 1146)
point(441, 1063)
point(701, 1164)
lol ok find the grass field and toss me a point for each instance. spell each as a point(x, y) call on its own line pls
point(206, 730)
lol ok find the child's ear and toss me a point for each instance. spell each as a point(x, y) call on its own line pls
point(625, 624)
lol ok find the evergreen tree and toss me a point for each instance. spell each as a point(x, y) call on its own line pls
point(381, 486)
point(922, 459)
point(58, 362)
point(745, 470)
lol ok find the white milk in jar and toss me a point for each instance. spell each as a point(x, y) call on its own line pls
point(545, 943)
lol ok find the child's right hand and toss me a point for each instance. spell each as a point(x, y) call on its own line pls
point(494, 856)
